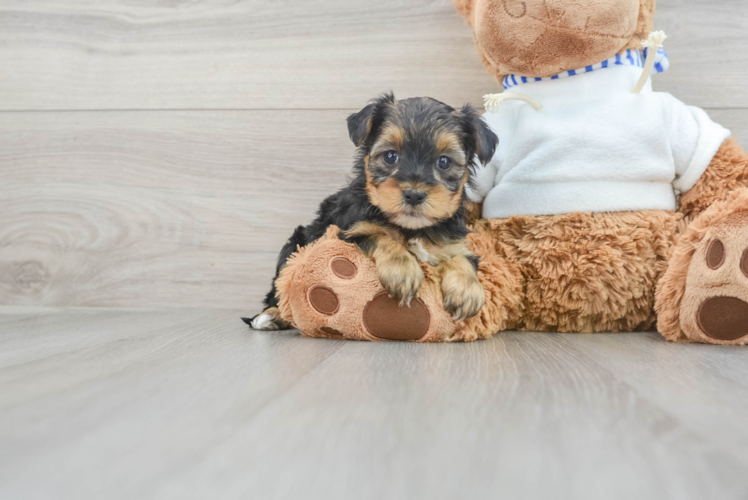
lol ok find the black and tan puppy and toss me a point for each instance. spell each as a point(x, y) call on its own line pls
point(406, 200)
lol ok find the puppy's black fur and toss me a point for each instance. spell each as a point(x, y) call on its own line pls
point(417, 125)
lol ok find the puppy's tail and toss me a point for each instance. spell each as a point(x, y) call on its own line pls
point(269, 319)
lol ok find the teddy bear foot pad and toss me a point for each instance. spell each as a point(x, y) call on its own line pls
point(715, 304)
point(383, 317)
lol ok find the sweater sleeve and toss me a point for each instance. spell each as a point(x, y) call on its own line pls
point(694, 139)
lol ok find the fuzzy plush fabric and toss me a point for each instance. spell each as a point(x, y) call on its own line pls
point(542, 38)
point(330, 289)
point(586, 272)
point(693, 276)
point(643, 24)
point(727, 172)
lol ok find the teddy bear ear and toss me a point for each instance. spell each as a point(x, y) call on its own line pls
point(643, 24)
point(465, 8)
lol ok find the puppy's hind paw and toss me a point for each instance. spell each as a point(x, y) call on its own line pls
point(268, 320)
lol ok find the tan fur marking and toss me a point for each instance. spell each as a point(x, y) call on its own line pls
point(446, 142)
point(365, 228)
point(399, 271)
point(391, 137)
point(449, 144)
point(442, 203)
point(440, 253)
point(463, 293)
point(388, 195)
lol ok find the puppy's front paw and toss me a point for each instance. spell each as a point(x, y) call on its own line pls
point(401, 276)
point(463, 293)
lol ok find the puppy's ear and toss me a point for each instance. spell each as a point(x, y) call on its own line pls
point(485, 140)
point(362, 124)
point(359, 124)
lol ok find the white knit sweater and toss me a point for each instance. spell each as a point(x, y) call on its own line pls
point(594, 147)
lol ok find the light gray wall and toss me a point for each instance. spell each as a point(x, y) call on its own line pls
point(160, 153)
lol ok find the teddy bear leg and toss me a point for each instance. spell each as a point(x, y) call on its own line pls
point(703, 296)
point(727, 172)
point(586, 272)
point(330, 289)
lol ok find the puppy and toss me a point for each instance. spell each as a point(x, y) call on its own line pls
point(406, 201)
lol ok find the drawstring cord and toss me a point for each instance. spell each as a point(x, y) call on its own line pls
point(653, 42)
point(493, 102)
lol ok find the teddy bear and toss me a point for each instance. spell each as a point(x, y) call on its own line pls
point(607, 207)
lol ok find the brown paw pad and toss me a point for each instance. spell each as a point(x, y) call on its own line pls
point(324, 300)
point(385, 319)
point(343, 268)
point(723, 318)
point(715, 254)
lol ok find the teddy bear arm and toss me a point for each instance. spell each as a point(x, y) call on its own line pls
point(727, 172)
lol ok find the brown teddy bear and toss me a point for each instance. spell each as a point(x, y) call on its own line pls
point(607, 205)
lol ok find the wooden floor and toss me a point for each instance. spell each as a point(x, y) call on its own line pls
point(115, 404)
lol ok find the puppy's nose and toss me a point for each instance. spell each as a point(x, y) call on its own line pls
point(414, 197)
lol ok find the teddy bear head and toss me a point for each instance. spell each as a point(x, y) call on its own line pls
point(541, 38)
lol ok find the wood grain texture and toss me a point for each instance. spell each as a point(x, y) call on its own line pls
point(179, 208)
point(257, 54)
point(159, 208)
point(205, 408)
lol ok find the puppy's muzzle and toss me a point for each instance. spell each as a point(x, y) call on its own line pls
point(414, 198)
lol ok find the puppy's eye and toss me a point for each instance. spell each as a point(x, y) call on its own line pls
point(443, 163)
point(390, 157)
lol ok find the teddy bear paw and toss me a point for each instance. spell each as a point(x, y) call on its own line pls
point(715, 302)
point(383, 316)
point(332, 290)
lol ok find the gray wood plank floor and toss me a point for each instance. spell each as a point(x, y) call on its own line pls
point(112, 403)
